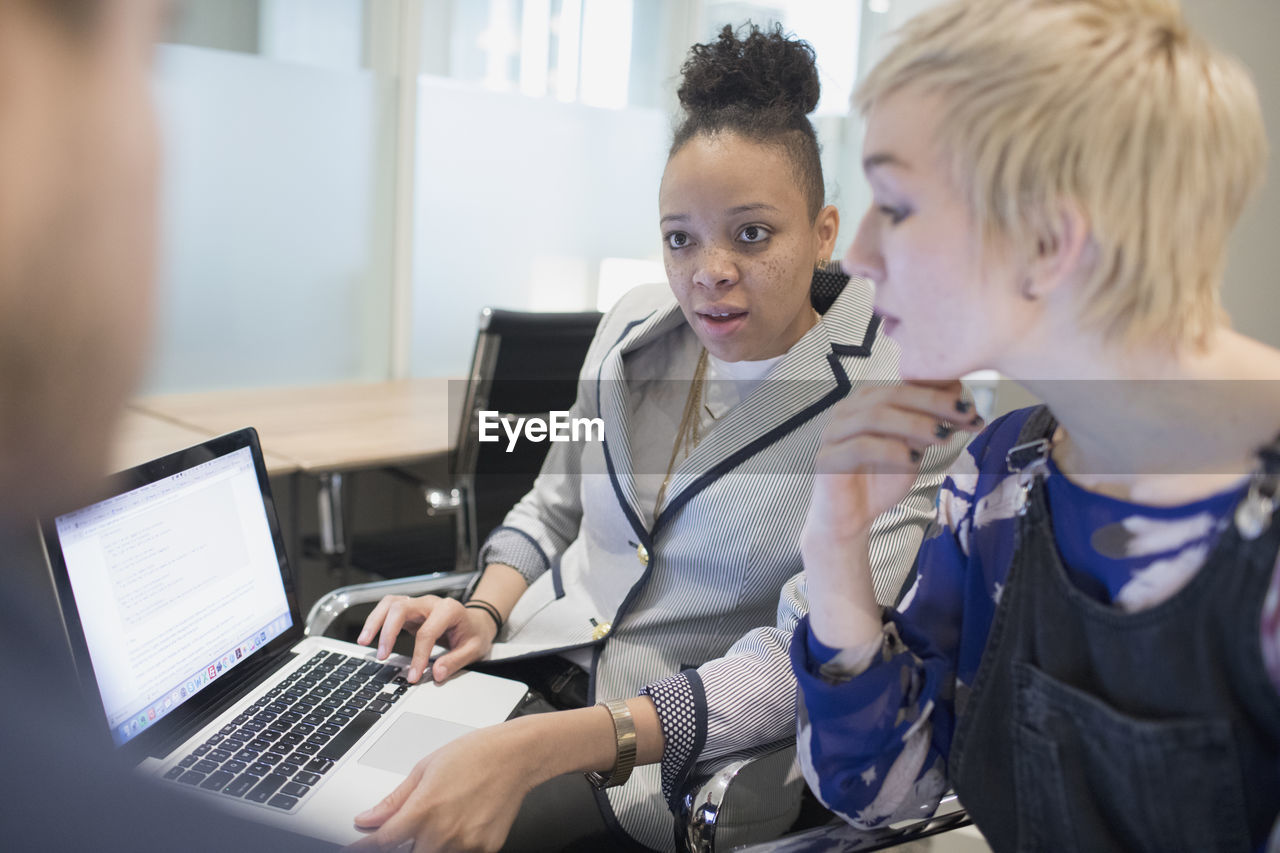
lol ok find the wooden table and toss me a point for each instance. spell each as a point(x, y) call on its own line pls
point(323, 430)
point(143, 437)
point(327, 427)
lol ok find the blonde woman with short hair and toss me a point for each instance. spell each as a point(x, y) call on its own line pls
point(1089, 650)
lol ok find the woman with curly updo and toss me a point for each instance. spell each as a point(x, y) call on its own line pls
point(647, 569)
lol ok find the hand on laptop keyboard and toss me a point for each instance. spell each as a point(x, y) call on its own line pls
point(467, 631)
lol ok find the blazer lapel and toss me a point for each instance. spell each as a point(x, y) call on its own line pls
point(611, 402)
point(811, 378)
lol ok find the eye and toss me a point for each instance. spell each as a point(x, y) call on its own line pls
point(753, 234)
point(894, 214)
point(677, 240)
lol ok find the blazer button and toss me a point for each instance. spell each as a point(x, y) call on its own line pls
point(643, 554)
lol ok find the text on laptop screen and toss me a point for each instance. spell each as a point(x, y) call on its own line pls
point(175, 583)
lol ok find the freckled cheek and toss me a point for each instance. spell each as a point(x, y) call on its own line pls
point(783, 270)
point(677, 275)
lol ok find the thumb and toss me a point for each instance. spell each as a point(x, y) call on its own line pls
point(390, 804)
point(450, 662)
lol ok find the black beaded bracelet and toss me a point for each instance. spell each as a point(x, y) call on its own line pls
point(478, 604)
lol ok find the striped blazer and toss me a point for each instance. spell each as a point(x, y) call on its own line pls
point(696, 609)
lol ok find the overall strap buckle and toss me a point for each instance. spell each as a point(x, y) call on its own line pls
point(1253, 513)
point(1029, 459)
point(1026, 455)
point(1029, 462)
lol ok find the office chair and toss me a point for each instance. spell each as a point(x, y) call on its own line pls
point(721, 809)
point(525, 364)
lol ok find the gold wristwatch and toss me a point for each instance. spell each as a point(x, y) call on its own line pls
point(624, 727)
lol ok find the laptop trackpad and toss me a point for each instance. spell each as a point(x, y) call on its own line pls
point(410, 739)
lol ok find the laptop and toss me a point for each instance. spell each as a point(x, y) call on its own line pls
point(183, 621)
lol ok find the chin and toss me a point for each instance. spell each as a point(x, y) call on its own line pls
point(931, 369)
point(726, 351)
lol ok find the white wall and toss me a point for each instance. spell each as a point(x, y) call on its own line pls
point(1248, 29)
point(274, 265)
point(518, 201)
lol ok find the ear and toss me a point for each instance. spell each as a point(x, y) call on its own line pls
point(1062, 251)
point(827, 226)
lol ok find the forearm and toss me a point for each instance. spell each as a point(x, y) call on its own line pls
point(583, 739)
point(872, 743)
point(843, 611)
point(501, 586)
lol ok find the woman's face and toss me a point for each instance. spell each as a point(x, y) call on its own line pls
point(951, 310)
point(739, 245)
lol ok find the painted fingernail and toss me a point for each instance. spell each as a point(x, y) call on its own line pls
point(943, 430)
point(413, 675)
point(915, 455)
point(382, 651)
point(963, 406)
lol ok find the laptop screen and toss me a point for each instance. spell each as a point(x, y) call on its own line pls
point(175, 583)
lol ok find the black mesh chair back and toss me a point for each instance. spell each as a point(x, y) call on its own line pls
point(828, 283)
point(525, 364)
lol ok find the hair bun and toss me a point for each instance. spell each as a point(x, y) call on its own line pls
point(759, 70)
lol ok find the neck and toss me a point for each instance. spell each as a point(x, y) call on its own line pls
point(1158, 426)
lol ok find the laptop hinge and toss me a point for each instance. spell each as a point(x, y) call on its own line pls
point(233, 690)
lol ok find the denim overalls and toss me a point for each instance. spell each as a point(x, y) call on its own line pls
point(1090, 729)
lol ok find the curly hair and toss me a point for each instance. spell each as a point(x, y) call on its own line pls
point(761, 85)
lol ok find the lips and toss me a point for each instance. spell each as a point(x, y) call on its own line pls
point(721, 320)
point(722, 315)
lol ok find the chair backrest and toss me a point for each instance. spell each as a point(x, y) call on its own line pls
point(828, 283)
point(525, 363)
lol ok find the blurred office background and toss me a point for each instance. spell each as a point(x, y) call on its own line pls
point(350, 181)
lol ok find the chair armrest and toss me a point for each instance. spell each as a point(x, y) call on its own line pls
point(703, 805)
point(840, 836)
point(336, 602)
point(704, 824)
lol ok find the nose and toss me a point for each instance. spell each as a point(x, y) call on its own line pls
point(716, 268)
point(863, 258)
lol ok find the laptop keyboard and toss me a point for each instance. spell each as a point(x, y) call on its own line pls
point(278, 749)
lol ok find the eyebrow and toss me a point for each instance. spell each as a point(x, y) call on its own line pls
point(747, 208)
point(733, 211)
point(882, 158)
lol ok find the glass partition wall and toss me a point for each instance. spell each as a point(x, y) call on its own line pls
point(350, 181)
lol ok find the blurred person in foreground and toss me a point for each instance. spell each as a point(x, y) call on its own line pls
point(77, 241)
point(1090, 651)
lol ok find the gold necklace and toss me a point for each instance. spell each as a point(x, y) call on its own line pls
point(690, 432)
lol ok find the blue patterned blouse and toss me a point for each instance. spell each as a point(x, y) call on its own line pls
point(876, 723)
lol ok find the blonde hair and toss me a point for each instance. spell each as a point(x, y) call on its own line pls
point(1113, 105)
